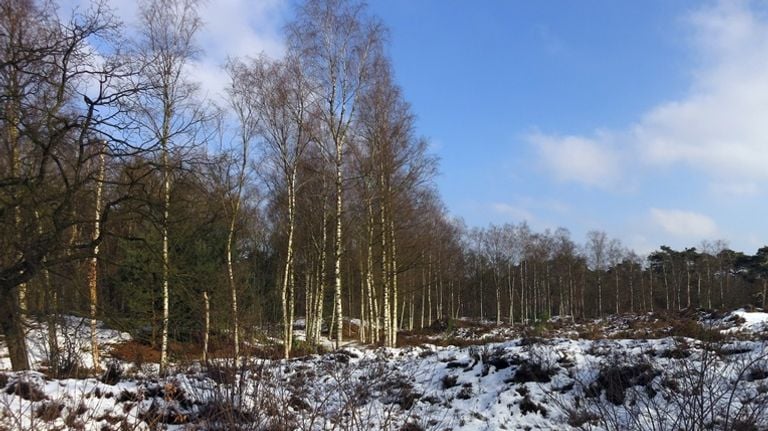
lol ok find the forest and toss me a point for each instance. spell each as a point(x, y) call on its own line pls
point(305, 193)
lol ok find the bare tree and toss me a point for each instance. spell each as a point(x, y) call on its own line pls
point(58, 95)
point(93, 262)
point(615, 255)
point(596, 250)
point(242, 101)
point(336, 43)
point(170, 112)
point(281, 98)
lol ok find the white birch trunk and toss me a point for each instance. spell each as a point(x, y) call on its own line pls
point(394, 327)
point(411, 316)
point(511, 285)
point(338, 244)
point(385, 272)
point(165, 257)
point(498, 295)
point(429, 290)
point(287, 288)
point(362, 331)
point(321, 279)
point(93, 261)
point(233, 289)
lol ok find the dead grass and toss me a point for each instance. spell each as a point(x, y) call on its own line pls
point(136, 352)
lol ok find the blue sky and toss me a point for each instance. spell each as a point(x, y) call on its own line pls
point(646, 119)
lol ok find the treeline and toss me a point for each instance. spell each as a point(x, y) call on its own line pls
point(522, 276)
point(126, 197)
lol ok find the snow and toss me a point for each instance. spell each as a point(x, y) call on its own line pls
point(551, 382)
point(742, 321)
point(73, 336)
point(753, 321)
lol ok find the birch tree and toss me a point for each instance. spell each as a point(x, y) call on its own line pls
point(337, 42)
point(170, 112)
point(282, 100)
point(243, 102)
point(615, 254)
point(596, 250)
point(93, 262)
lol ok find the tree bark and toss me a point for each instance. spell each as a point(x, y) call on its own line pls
point(94, 260)
point(338, 244)
point(11, 323)
point(288, 288)
point(207, 323)
point(164, 227)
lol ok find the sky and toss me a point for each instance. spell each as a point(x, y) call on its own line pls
point(647, 120)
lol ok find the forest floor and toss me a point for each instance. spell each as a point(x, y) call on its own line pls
point(684, 370)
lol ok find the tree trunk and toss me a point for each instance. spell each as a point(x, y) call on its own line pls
point(13, 302)
point(51, 308)
point(511, 286)
point(369, 287)
point(423, 293)
point(93, 261)
point(385, 270)
point(309, 312)
point(164, 226)
point(599, 295)
point(480, 275)
point(617, 290)
point(233, 289)
point(207, 327)
point(11, 323)
point(523, 315)
point(429, 289)
point(338, 244)
point(498, 295)
point(666, 286)
point(394, 269)
point(411, 314)
point(709, 286)
point(288, 277)
point(322, 276)
point(570, 292)
point(361, 331)
point(631, 292)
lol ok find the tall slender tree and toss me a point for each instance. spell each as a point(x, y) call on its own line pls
point(337, 43)
point(170, 111)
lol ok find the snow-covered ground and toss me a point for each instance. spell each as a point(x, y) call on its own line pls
point(551, 382)
point(73, 336)
point(747, 321)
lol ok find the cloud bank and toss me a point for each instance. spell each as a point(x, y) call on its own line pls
point(719, 129)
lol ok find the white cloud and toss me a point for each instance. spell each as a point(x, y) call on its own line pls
point(234, 28)
point(719, 128)
point(684, 224)
point(572, 158)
